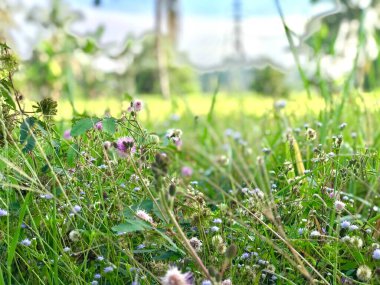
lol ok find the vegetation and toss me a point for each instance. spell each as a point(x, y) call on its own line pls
point(221, 188)
point(286, 198)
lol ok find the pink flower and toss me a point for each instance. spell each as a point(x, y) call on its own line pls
point(144, 216)
point(99, 126)
point(125, 146)
point(67, 134)
point(174, 277)
point(186, 171)
point(137, 105)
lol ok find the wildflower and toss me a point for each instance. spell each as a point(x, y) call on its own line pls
point(125, 146)
point(206, 282)
point(345, 224)
point(67, 134)
point(74, 235)
point(144, 216)
point(196, 244)
point(137, 105)
point(107, 145)
point(345, 239)
point(214, 229)
point(99, 126)
point(186, 171)
point(356, 241)
point(217, 221)
point(364, 273)
point(280, 104)
point(97, 276)
point(376, 254)
point(174, 277)
point(100, 258)
point(339, 206)
point(108, 269)
point(311, 134)
point(66, 249)
point(94, 282)
point(245, 255)
point(301, 231)
point(314, 234)
point(227, 282)
point(26, 242)
point(77, 209)
point(218, 242)
point(3, 213)
point(353, 227)
point(342, 126)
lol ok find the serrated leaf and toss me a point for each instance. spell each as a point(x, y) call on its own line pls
point(109, 125)
point(82, 126)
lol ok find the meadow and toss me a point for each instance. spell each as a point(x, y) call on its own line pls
point(265, 192)
point(200, 189)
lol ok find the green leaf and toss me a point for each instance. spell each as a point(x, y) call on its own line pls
point(131, 226)
point(127, 97)
point(30, 144)
point(26, 128)
point(109, 125)
point(72, 154)
point(82, 126)
point(6, 93)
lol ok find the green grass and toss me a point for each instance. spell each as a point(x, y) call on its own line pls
point(263, 225)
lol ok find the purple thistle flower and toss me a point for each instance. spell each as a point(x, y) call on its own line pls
point(99, 126)
point(125, 146)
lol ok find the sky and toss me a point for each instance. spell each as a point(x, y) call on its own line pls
point(206, 26)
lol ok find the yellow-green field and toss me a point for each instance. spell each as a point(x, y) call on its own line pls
point(249, 104)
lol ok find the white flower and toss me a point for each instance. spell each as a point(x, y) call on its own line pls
point(108, 269)
point(144, 216)
point(26, 242)
point(3, 213)
point(339, 206)
point(353, 227)
point(74, 235)
point(196, 244)
point(227, 282)
point(364, 273)
point(174, 277)
point(356, 241)
point(315, 234)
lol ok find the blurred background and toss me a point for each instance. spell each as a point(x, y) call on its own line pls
point(104, 49)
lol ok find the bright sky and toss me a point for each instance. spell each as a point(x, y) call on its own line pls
point(206, 26)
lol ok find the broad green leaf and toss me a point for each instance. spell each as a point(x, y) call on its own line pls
point(131, 226)
point(83, 125)
point(109, 125)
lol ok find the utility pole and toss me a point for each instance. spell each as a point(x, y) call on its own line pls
point(238, 44)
